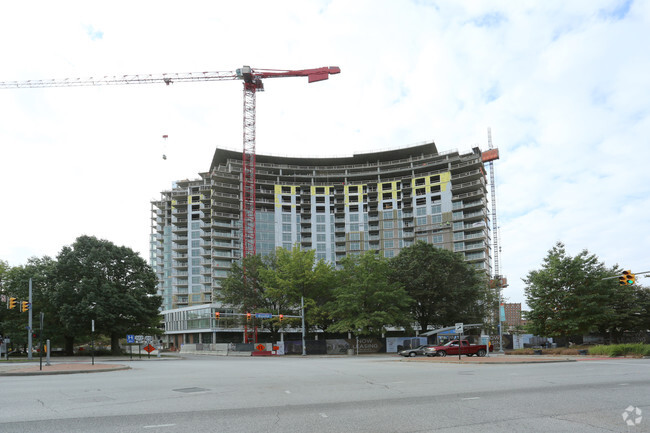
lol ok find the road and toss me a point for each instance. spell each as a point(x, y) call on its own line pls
point(331, 394)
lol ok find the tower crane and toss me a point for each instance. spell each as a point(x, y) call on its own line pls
point(252, 80)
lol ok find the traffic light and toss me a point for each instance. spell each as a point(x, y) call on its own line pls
point(24, 306)
point(217, 315)
point(281, 317)
point(248, 317)
point(12, 303)
point(628, 278)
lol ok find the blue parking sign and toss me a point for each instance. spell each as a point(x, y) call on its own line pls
point(130, 338)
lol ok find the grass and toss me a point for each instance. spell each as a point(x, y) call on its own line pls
point(636, 350)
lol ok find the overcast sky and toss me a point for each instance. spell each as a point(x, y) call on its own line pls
point(563, 85)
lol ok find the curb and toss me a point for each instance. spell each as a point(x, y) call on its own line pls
point(52, 372)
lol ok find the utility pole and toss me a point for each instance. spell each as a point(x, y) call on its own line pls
point(29, 324)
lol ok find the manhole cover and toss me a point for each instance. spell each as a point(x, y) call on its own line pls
point(194, 389)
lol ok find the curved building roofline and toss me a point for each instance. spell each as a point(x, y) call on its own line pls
point(221, 156)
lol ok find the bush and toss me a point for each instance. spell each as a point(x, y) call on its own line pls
point(632, 349)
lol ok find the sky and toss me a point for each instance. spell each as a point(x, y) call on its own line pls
point(563, 86)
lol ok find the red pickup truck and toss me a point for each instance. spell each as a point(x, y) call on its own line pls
point(451, 348)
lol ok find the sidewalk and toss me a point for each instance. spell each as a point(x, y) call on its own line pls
point(495, 358)
point(70, 365)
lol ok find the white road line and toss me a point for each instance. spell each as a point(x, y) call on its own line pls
point(287, 391)
point(470, 398)
point(323, 415)
point(158, 425)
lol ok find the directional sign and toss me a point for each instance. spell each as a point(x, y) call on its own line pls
point(459, 328)
point(130, 338)
point(263, 315)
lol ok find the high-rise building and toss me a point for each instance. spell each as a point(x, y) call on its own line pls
point(380, 201)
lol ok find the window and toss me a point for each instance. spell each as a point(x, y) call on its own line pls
point(389, 244)
point(355, 246)
point(354, 227)
point(354, 217)
point(389, 254)
point(195, 244)
point(437, 239)
point(319, 190)
point(435, 179)
point(195, 226)
point(355, 236)
point(458, 225)
point(286, 218)
point(388, 224)
point(388, 215)
point(286, 237)
point(286, 227)
point(286, 190)
point(387, 196)
point(320, 218)
point(435, 188)
point(421, 211)
point(320, 228)
point(436, 219)
point(421, 221)
point(321, 247)
point(436, 208)
point(389, 234)
point(420, 191)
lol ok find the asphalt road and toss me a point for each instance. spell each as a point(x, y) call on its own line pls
point(325, 394)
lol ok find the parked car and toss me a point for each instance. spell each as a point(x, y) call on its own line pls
point(415, 351)
point(451, 348)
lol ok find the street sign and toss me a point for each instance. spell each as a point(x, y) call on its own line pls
point(148, 338)
point(130, 338)
point(264, 315)
point(459, 328)
point(139, 338)
point(149, 348)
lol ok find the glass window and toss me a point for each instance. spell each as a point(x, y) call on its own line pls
point(355, 246)
point(389, 254)
point(286, 218)
point(388, 234)
point(389, 244)
point(195, 243)
point(286, 227)
point(354, 217)
point(436, 218)
point(421, 221)
point(388, 225)
point(321, 247)
point(436, 208)
point(354, 227)
point(437, 239)
point(286, 237)
point(388, 215)
point(320, 218)
point(421, 211)
point(286, 246)
point(320, 228)
point(355, 236)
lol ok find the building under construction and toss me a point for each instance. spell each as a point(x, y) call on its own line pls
point(380, 201)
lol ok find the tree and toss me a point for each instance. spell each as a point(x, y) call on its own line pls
point(570, 295)
point(444, 287)
point(15, 283)
point(97, 280)
point(365, 299)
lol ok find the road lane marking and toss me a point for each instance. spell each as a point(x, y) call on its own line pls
point(158, 425)
point(470, 398)
point(323, 415)
point(287, 391)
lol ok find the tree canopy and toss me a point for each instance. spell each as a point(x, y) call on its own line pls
point(90, 280)
point(445, 289)
point(577, 295)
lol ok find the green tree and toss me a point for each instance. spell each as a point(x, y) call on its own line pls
point(113, 285)
point(15, 283)
point(365, 299)
point(298, 275)
point(570, 295)
point(444, 287)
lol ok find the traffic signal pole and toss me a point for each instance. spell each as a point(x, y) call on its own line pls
point(29, 324)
